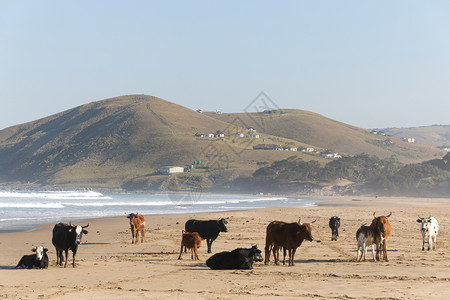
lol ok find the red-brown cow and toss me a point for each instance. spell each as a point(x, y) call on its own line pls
point(190, 240)
point(287, 235)
point(137, 224)
point(381, 229)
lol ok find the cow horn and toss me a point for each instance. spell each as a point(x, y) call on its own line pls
point(314, 221)
point(390, 213)
point(85, 226)
point(374, 215)
point(70, 223)
point(299, 221)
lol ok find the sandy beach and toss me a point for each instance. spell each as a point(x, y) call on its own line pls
point(110, 267)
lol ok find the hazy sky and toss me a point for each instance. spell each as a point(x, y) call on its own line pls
point(366, 63)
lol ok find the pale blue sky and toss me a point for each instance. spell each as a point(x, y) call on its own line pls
point(366, 63)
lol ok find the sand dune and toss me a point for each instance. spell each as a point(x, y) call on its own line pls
point(110, 267)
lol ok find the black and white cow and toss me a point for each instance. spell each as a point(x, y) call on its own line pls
point(334, 223)
point(429, 229)
point(67, 237)
point(38, 260)
point(240, 258)
point(208, 230)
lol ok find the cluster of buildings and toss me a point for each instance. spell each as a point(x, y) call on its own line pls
point(326, 153)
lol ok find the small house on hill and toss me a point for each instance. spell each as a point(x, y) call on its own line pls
point(239, 135)
point(170, 170)
point(254, 136)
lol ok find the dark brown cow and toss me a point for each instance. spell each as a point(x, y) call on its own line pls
point(381, 230)
point(137, 224)
point(190, 240)
point(287, 235)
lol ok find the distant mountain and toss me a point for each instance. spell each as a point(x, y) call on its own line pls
point(436, 135)
point(120, 142)
point(315, 129)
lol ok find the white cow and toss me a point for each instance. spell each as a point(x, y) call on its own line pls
point(429, 229)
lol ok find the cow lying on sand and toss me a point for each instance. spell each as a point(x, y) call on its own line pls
point(429, 229)
point(190, 240)
point(239, 258)
point(38, 260)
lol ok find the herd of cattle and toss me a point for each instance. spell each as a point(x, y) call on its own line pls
point(279, 236)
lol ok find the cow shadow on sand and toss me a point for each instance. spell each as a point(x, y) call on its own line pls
point(9, 268)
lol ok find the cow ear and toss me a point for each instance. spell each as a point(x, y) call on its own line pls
point(45, 249)
point(34, 249)
point(419, 221)
point(71, 229)
point(85, 231)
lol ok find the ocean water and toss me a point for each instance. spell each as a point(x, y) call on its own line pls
point(22, 210)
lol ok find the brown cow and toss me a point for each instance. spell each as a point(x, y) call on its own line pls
point(190, 240)
point(137, 224)
point(287, 235)
point(381, 229)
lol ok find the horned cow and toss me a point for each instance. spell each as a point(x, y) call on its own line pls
point(287, 235)
point(67, 237)
point(429, 229)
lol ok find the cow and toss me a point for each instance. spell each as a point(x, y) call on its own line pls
point(288, 235)
point(429, 228)
point(240, 258)
point(334, 223)
point(137, 224)
point(381, 230)
point(364, 239)
point(38, 260)
point(190, 240)
point(65, 237)
point(208, 230)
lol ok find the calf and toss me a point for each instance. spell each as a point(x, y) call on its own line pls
point(191, 241)
point(137, 224)
point(364, 239)
point(208, 230)
point(334, 223)
point(239, 258)
point(39, 260)
point(381, 229)
point(429, 228)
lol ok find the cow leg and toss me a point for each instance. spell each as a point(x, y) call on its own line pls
point(67, 257)
point(423, 244)
point(434, 242)
point(73, 258)
point(143, 236)
point(181, 251)
point(209, 243)
point(429, 243)
point(196, 253)
point(373, 252)
point(284, 255)
point(267, 253)
point(291, 256)
point(385, 250)
point(132, 235)
point(276, 258)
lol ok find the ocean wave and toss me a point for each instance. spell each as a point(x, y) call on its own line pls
point(31, 205)
point(75, 195)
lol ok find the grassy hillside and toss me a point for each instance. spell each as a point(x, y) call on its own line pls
point(317, 130)
point(120, 142)
point(436, 135)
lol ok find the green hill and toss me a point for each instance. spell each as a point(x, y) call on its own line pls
point(120, 142)
point(319, 131)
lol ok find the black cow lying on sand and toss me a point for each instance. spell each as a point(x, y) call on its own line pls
point(38, 260)
point(239, 258)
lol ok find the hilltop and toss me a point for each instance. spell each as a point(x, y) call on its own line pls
point(120, 142)
point(435, 135)
point(315, 129)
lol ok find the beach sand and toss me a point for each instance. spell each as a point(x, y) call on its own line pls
point(110, 267)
